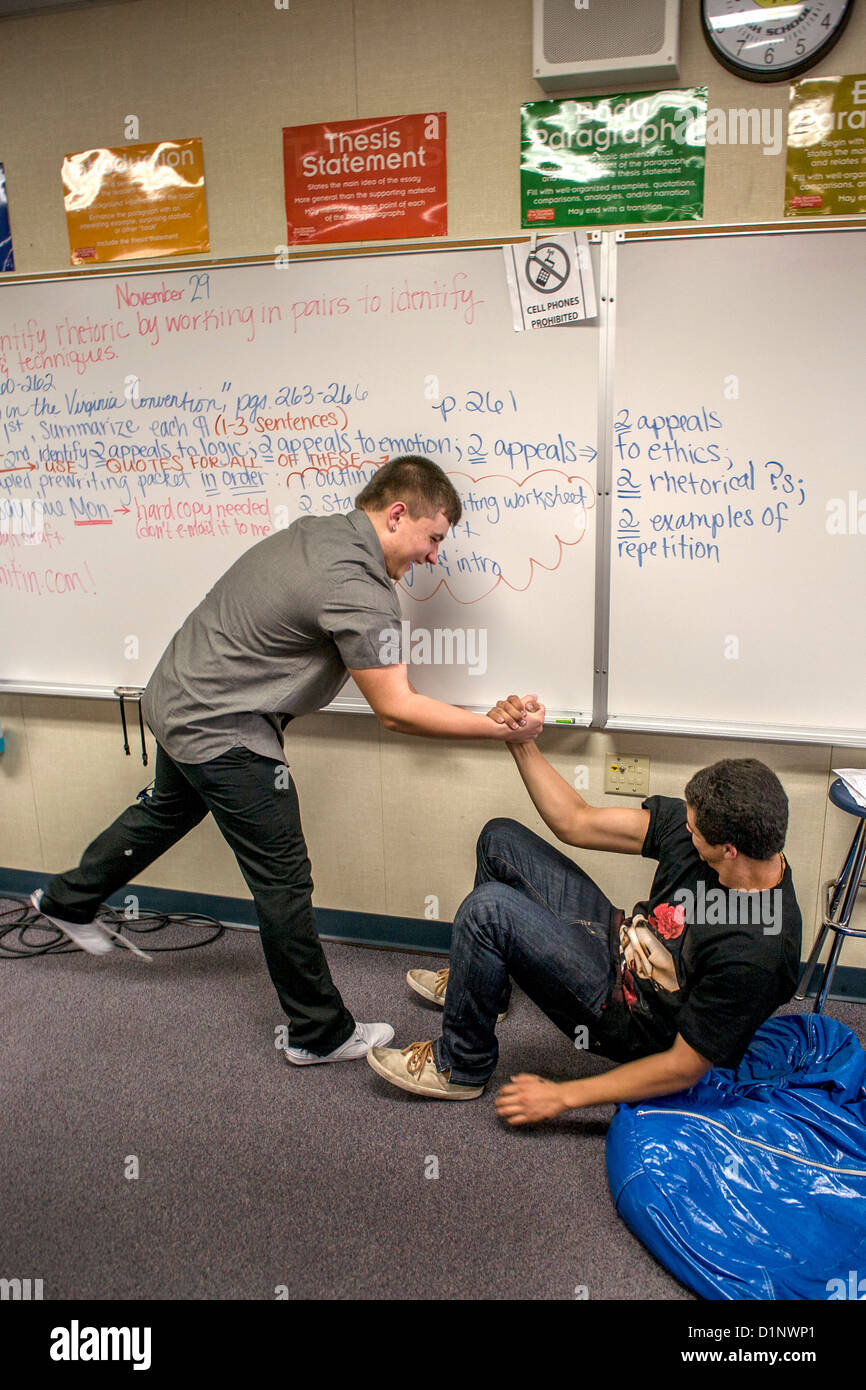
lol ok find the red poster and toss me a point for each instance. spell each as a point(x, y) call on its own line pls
point(366, 180)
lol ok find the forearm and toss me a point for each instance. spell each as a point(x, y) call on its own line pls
point(658, 1075)
point(421, 715)
point(554, 800)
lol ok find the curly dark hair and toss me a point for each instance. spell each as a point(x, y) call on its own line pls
point(740, 802)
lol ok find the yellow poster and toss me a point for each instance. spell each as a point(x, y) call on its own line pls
point(826, 173)
point(136, 201)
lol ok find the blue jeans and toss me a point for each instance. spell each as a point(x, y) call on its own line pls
point(536, 917)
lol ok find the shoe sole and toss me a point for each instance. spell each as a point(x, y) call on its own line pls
point(100, 940)
point(312, 1060)
point(413, 1088)
point(425, 992)
point(438, 998)
point(130, 946)
point(93, 940)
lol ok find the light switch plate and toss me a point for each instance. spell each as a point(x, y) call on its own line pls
point(627, 776)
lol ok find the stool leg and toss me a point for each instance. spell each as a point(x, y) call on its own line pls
point(803, 987)
point(841, 900)
point(841, 882)
point(852, 884)
point(829, 968)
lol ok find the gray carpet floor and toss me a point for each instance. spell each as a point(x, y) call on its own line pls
point(255, 1176)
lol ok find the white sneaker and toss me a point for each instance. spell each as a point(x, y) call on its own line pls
point(93, 937)
point(90, 936)
point(124, 941)
point(365, 1036)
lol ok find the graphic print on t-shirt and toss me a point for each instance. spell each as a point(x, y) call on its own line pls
point(645, 959)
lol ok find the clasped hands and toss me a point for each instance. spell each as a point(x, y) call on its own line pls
point(524, 717)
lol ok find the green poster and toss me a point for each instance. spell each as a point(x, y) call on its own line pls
point(826, 169)
point(638, 157)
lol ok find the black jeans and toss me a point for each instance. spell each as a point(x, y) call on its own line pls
point(254, 803)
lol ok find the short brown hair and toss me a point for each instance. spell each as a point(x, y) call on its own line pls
point(417, 481)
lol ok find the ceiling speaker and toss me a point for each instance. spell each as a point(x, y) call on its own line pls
point(591, 43)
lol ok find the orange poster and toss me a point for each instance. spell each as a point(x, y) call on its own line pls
point(376, 179)
point(135, 201)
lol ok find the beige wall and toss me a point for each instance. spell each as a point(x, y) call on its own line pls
point(390, 820)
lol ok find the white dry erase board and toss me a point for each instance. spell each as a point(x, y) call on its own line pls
point(738, 517)
point(716, 588)
point(167, 419)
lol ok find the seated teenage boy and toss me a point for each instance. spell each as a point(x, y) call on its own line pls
point(675, 988)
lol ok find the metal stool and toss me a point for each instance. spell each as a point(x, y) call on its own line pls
point(840, 897)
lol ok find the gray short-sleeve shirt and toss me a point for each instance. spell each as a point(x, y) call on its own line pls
point(273, 638)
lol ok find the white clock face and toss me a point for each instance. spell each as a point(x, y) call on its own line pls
point(772, 40)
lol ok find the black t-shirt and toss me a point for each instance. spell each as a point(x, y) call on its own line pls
point(704, 961)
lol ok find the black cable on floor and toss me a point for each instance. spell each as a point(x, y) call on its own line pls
point(16, 922)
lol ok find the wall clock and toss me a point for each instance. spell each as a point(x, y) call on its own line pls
point(772, 40)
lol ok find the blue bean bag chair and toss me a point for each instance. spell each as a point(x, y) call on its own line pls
point(752, 1184)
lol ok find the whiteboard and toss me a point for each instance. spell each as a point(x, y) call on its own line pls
point(738, 544)
point(167, 419)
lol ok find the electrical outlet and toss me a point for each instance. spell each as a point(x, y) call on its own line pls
point(627, 776)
